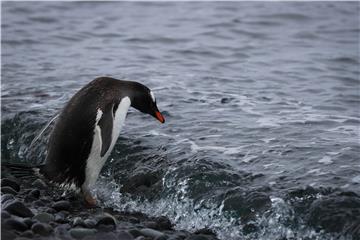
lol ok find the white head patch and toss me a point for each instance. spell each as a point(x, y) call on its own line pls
point(152, 96)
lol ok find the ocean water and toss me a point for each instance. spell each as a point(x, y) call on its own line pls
point(261, 101)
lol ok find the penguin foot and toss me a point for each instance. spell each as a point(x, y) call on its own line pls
point(90, 201)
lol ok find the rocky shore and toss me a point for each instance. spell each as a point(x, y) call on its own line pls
point(35, 209)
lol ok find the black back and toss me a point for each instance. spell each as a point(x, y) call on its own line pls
point(71, 139)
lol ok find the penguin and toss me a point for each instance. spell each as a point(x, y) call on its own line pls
point(87, 128)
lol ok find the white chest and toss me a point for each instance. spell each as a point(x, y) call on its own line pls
point(95, 162)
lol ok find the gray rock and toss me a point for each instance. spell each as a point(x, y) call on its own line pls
point(90, 223)
point(140, 238)
point(80, 233)
point(35, 193)
point(61, 205)
point(28, 222)
point(10, 183)
point(27, 234)
point(38, 203)
point(50, 210)
point(177, 236)
point(78, 222)
point(124, 236)
point(8, 234)
point(198, 237)
point(163, 223)
point(62, 231)
point(106, 219)
point(42, 228)
point(44, 217)
point(148, 232)
point(40, 184)
point(135, 232)
point(5, 215)
point(18, 208)
point(6, 197)
point(9, 190)
point(15, 224)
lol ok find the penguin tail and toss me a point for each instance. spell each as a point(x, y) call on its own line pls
point(21, 170)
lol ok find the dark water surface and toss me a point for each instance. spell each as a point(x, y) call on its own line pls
point(261, 102)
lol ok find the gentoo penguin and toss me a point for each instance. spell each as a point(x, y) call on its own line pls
point(88, 127)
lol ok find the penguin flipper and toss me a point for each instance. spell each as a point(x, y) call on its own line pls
point(106, 126)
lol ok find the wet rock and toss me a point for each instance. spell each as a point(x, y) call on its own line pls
point(243, 203)
point(35, 193)
point(40, 184)
point(15, 224)
point(80, 233)
point(50, 210)
point(178, 236)
point(61, 205)
point(106, 219)
point(42, 228)
point(205, 231)
point(38, 203)
point(198, 237)
point(5, 215)
point(44, 217)
point(140, 238)
point(336, 213)
point(6, 182)
point(124, 236)
point(135, 232)
point(8, 234)
point(27, 234)
point(62, 231)
point(90, 223)
point(9, 190)
point(18, 208)
point(6, 197)
point(148, 232)
point(29, 222)
point(78, 222)
point(163, 223)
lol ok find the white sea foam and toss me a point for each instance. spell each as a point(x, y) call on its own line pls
point(326, 160)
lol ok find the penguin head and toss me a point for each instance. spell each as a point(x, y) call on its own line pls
point(143, 99)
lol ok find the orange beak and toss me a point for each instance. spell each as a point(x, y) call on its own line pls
point(160, 117)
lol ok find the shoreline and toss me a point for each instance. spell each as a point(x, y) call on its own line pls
point(35, 209)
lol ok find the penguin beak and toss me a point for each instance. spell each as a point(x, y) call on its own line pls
point(159, 117)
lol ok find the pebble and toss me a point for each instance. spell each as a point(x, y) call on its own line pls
point(5, 215)
point(18, 208)
point(148, 232)
point(35, 193)
point(40, 184)
point(78, 222)
point(15, 224)
point(135, 232)
point(9, 190)
point(61, 205)
point(197, 237)
point(79, 233)
point(90, 223)
point(44, 217)
point(27, 234)
point(28, 222)
point(124, 236)
point(106, 219)
point(42, 229)
point(6, 197)
point(10, 183)
point(163, 223)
